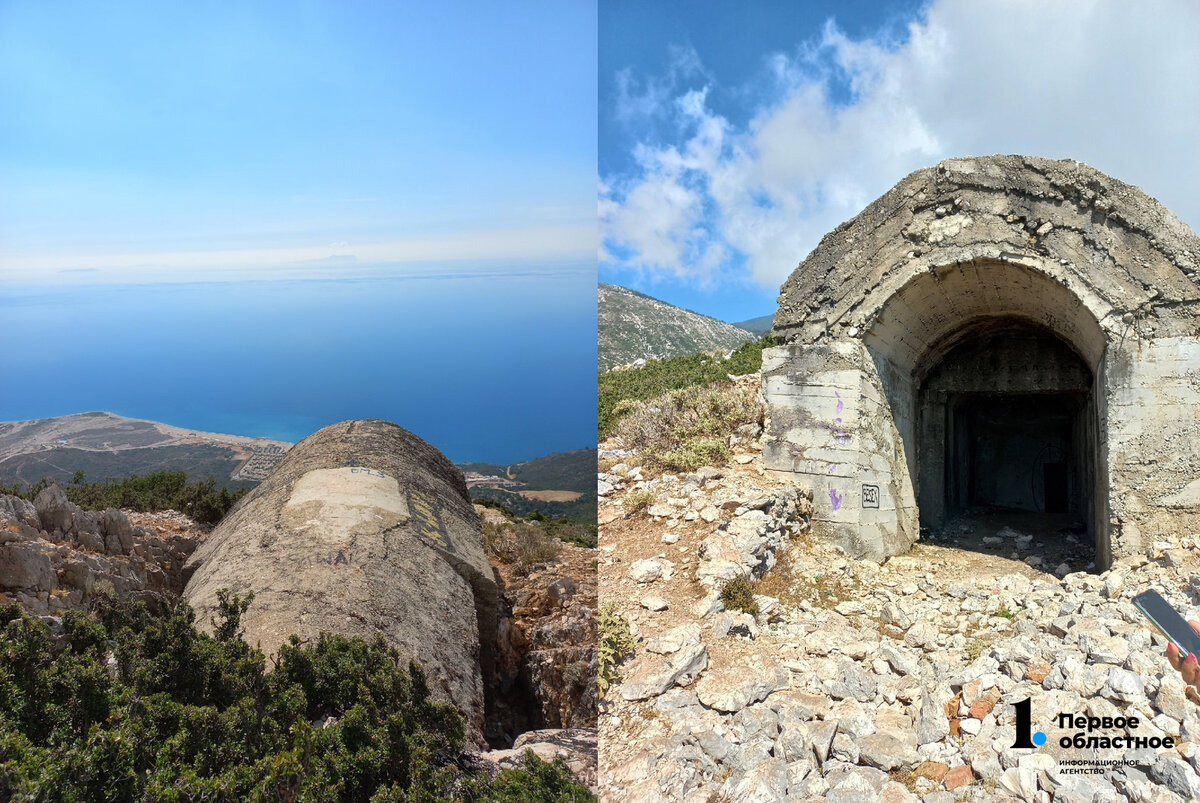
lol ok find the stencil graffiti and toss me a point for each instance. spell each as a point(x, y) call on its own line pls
point(427, 518)
point(870, 496)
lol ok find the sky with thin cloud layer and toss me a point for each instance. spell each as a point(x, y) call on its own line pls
point(154, 141)
point(733, 136)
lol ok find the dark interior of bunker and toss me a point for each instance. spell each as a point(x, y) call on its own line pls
point(1007, 444)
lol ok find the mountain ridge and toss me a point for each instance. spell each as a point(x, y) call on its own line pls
point(633, 326)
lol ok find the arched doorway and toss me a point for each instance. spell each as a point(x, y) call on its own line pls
point(989, 369)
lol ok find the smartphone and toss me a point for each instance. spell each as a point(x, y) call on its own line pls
point(1168, 622)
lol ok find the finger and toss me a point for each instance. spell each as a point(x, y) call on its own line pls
point(1191, 670)
point(1195, 626)
point(1191, 693)
point(1173, 657)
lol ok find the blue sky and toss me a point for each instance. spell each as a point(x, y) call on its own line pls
point(263, 218)
point(733, 136)
point(183, 141)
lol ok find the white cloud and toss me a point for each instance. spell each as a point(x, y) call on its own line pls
point(641, 99)
point(1113, 84)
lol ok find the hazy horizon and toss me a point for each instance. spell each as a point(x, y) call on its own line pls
point(490, 366)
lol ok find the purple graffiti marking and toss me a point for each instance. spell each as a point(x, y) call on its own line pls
point(832, 467)
point(839, 407)
point(835, 498)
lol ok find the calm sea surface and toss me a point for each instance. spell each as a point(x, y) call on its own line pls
point(494, 365)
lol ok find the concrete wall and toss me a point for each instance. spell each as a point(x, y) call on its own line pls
point(1153, 455)
point(362, 529)
point(837, 436)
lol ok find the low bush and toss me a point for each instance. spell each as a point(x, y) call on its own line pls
point(685, 429)
point(738, 594)
point(636, 502)
point(619, 390)
point(126, 705)
point(204, 501)
point(522, 544)
point(614, 644)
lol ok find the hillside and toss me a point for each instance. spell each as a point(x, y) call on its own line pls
point(560, 485)
point(759, 326)
point(633, 326)
point(107, 446)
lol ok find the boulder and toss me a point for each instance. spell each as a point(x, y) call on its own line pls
point(118, 532)
point(16, 509)
point(56, 512)
point(362, 529)
point(23, 565)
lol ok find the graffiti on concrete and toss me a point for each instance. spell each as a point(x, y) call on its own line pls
point(427, 519)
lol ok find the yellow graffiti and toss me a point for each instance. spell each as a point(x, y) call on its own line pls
point(424, 510)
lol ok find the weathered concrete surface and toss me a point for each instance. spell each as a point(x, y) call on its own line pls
point(362, 528)
point(951, 255)
point(834, 428)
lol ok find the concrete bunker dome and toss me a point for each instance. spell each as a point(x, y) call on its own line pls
point(1006, 330)
point(363, 529)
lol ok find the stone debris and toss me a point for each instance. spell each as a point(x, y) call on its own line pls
point(55, 557)
point(575, 746)
point(862, 681)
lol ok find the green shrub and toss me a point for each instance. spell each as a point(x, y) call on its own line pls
point(637, 501)
point(738, 594)
point(692, 454)
point(522, 544)
point(685, 429)
point(129, 705)
point(203, 501)
point(619, 390)
point(614, 643)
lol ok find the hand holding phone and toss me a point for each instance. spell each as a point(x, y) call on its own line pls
point(1183, 651)
point(1168, 622)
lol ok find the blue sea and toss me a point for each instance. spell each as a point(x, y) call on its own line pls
point(490, 363)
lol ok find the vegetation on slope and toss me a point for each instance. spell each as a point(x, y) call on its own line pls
point(682, 430)
point(126, 705)
point(204, 502)
point(620, 390)
point(580, 511)
point(563, 471)
point(546, 528)
point(59, 464)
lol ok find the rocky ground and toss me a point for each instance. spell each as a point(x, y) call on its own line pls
point(55, 556)
point(856, 681)
point(546, 655)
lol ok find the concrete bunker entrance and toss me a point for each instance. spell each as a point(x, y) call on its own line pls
point(980, 249)
point(990, 374)
point(1006, 449)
